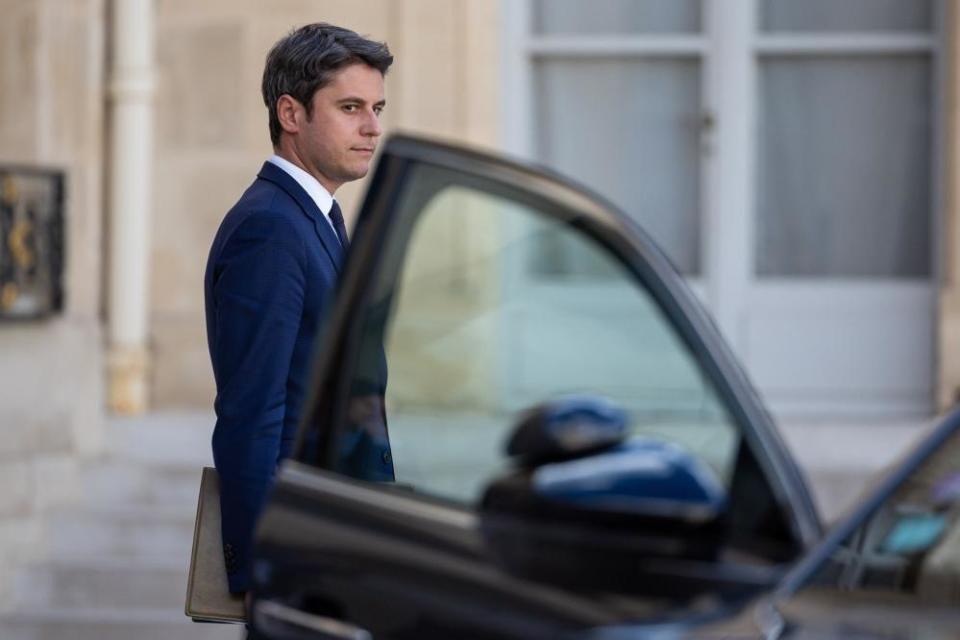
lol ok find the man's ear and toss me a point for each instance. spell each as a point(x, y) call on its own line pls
point(290, 113)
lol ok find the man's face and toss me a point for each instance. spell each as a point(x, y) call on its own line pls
point(337, 141)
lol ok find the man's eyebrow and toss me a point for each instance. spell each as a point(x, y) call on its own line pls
point(357, 100)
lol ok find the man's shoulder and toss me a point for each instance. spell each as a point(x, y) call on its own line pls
point(264, 205)
point(267, 198)
point(262, 214)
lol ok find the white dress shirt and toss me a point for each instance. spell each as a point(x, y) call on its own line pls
point(311, 185)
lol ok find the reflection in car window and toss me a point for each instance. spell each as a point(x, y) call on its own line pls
point(911, 545)
point(472, 339)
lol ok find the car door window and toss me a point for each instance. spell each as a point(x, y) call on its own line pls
point(473, 335)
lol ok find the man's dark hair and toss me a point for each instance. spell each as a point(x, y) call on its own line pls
point(307, 59)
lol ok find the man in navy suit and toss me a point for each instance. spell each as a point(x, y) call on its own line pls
point(276, 258)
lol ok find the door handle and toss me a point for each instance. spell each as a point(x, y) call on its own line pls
point(282, 622)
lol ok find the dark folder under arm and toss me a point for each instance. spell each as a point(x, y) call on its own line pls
point(208, 595)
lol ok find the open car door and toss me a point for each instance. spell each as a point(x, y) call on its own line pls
point(523, 425)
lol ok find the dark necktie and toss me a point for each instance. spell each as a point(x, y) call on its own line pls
point(336, 217)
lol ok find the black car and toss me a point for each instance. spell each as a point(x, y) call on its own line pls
point(577, 452)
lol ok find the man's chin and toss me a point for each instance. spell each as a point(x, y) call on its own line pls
point(359, 172)
point(349, 173)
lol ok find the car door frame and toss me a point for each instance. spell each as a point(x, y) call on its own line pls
point(308, 477)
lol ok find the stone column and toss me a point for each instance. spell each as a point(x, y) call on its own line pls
point(948, 343)
point(131, 92)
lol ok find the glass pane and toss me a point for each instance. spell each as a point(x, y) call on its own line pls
point(631, 131)
point(844, 171)
point(471, 344)
point(846, 15)
point(552, 17)
point(910, 546)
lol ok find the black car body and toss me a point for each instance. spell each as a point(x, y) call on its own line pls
point(520, 510)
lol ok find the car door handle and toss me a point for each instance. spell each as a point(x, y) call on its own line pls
point(280, 621)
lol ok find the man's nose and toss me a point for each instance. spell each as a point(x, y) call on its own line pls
point(371, 125)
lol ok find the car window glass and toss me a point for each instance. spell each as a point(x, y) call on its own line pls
point(473, 335)
point(911, 544)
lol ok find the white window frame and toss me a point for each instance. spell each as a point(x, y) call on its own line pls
point(730, 48)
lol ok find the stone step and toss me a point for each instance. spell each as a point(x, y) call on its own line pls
point(160, 533)
point(101, 583)
point(111, 624)
point(123, 482)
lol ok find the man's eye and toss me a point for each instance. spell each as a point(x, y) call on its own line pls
point(378, 110)
point(349, 108)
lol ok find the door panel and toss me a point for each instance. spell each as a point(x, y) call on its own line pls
point(838, 313)
point(847, 16)
point(556, 17)
point(402, 567)
point(866, 347)
point(640, 147)
point(844, 168)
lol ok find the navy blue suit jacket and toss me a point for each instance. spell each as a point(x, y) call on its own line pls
point(270, 277)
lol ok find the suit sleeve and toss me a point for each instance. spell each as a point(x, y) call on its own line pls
point(258, 300)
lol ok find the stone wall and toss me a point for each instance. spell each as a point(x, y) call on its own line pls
point(51, 115)
point(212, 132)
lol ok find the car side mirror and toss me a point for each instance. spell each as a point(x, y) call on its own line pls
point(585, 505)
point(570, 427)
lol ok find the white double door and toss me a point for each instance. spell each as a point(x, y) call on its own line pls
point(781, 152)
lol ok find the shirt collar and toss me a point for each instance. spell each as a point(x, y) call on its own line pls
point(311, 185)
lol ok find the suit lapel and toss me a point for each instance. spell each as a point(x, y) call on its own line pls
point(328, 239)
